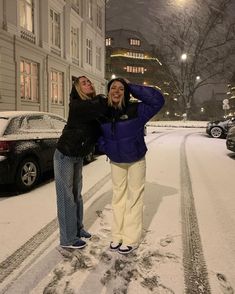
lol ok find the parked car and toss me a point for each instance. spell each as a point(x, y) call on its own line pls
point(219, 128)
point(230, 140)
point(27, 144)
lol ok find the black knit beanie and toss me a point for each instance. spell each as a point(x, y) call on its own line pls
point(126, 88)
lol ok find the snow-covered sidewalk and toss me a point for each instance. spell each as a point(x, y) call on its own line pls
point(155, 267)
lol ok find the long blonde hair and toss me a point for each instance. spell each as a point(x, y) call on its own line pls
point(126, 97)
point(82, 95)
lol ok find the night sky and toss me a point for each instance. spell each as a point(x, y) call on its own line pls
point(139, 15)
point(131, 14)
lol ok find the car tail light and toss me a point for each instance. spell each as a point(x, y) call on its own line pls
point(4, 146)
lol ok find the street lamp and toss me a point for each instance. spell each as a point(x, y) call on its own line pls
point(183, 56)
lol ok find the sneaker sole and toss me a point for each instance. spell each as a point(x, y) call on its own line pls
point(126, 252)
point(87, 238)
point(113, 249)
point(73, 247)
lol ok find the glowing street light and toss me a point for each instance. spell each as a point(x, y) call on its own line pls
point(113, 76)
point(184, 56)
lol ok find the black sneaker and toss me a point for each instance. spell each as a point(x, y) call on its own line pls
point(84, 234)
point(114, 246)
point(78, 245)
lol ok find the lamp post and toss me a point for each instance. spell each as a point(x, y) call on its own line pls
point(190, 80)
point(184, 56)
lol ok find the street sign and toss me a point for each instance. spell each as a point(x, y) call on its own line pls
point(226, 104)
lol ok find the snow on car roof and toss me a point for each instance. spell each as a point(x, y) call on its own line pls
point(8, 114)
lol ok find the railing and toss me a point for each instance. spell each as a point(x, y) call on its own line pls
point(28, 36)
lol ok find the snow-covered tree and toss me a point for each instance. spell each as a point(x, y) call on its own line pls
point(197, 44)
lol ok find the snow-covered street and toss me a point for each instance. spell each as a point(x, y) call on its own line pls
point(189, 218)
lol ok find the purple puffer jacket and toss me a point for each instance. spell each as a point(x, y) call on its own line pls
point(123, 134)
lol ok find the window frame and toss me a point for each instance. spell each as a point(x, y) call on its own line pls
point(89, 9)
point(135, 42)
point(89, 51)
point(55, 28)
point(56, 86)
point(99, 17)
point(74, 38)
point(98, 58)
point(23, 5)
point(29, 79)
point(108, 41)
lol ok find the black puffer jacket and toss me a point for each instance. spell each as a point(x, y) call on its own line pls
point(82, 129)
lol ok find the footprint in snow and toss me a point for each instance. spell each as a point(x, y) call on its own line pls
point(224, 284)
point(166, 241)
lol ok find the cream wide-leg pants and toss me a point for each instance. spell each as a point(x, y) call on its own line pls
point(128, 180)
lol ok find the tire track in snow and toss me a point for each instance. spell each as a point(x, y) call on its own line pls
point(195, 271)
point(12, 262)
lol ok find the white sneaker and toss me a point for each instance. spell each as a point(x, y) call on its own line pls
point(125, 249)
point(114, 246)
point(78, 245)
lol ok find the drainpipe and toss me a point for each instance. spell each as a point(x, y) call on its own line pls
point(4, 22)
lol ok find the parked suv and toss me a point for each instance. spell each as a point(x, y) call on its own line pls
point(230, 140)
point(27, 144)
point(219, 128)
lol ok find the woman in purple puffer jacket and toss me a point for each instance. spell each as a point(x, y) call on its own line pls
point(123, 142)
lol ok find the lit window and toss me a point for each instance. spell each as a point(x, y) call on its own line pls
point(89, 9)
point(89, 51)
point(135, 55)
point(26, 14)
point(98, 58)
point(55, 28)
point(57, 87)
point(135, 42)
point(29, 81)
point(99, 17)
point(108, 42)
point(74, 43)
point(135, 69)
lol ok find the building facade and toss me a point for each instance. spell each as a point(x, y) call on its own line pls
point(44, 45)
point(129, 55)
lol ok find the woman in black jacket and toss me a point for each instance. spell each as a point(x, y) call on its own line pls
point(77, 140)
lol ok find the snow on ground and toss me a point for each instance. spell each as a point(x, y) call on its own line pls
point(155, 267)
point(178, 123)
point(97, 270)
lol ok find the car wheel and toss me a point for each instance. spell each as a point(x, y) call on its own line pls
point(27, 174)
point(216, 132)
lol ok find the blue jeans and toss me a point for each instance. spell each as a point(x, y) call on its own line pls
point(68, 182)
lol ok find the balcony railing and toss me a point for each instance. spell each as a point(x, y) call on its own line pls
point(28, 36)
